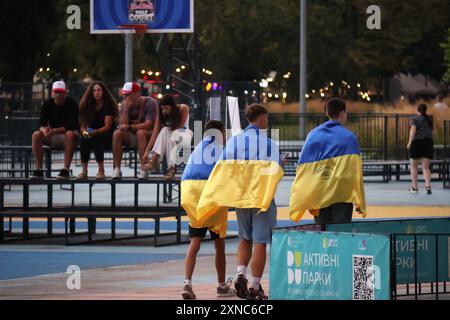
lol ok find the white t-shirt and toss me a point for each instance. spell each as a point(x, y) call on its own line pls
point(441, 106)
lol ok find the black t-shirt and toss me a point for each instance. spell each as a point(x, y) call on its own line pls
point(424, 127)
point(98, 120)
point(55, 116)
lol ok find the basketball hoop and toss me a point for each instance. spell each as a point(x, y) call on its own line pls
point(139, 30)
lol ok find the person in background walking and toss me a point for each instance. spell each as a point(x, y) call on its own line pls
point(421, 147)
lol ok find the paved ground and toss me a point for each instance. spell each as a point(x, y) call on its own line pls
point(136, 270)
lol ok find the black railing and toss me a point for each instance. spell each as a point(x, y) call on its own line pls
point(17, 131)
point(437, 289)
point(381, 137)
point(25, 99)
point(446, 154)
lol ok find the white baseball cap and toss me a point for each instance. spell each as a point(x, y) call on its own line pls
point(59, 86)
point(131, 87)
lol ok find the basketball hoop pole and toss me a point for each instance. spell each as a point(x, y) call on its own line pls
point(128, 57)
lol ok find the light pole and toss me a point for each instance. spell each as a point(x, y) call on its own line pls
point(303, 69)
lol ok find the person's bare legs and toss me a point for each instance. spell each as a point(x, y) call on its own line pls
point(414, 174)
point(259, 259)
point(191, 257)
point(101, 168)
point(221, 262)
point(143, 136)
point(244, 252)
point(119, 139)
point(84, 169)
point(37, 142)
point(69, 148)
point(426, 171)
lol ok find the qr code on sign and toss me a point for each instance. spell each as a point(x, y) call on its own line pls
point(363, 278)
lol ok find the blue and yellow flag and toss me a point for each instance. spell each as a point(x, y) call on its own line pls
point(329, 172)
point(246, 176)
point(195, 175)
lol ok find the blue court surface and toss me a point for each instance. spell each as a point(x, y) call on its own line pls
point(20, 264)
point(19, 260)
point(30, 260)
point(34, 261)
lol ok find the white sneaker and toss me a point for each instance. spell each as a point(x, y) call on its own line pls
point(117, 174)
point(143, 174)
point(413, 191)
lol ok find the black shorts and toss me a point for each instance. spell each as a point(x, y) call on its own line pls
point(422, 148)
point(201, 232)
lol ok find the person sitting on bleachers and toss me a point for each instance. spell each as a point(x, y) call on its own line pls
point(174, 124)
point(58, 129)
point(136, 123)
point(98, 113)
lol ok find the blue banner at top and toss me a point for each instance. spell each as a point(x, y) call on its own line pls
point(161, 16)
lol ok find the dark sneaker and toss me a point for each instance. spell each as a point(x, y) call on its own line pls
point(241, 286)
point(188, 293)
point(256, 294)
point(429, 190)
point(64, 174)
point(226, 290)
point(37, 174)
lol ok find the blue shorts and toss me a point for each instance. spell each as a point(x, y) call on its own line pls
point(256, 227)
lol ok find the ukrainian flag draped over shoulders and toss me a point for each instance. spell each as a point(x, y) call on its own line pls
point(195, 175)
point(329, 172)
point(246, 176)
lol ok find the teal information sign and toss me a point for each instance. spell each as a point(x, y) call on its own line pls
point(407, 247)
point(329, 266)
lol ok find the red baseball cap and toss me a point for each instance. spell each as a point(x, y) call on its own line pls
point(59, 86)
point(131, 87)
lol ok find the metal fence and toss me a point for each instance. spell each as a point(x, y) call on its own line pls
point(381, 136)
point(447, 154)
point(17, 131)
point(18, 162)
point(447, 138)
point(436, 288)
point(18, 100)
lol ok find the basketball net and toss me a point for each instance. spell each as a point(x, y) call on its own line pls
point(137, 30)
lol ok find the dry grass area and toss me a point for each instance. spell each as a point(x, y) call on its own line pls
point(401, 107)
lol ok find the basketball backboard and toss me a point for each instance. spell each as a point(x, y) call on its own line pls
point(161, 16)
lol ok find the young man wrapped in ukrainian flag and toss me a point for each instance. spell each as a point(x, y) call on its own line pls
point(197, 171)
point(329, 179)
point(246, 178)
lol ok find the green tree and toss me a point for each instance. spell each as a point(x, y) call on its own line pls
point(446, 47)
point(241, 41)
point(25, 27)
